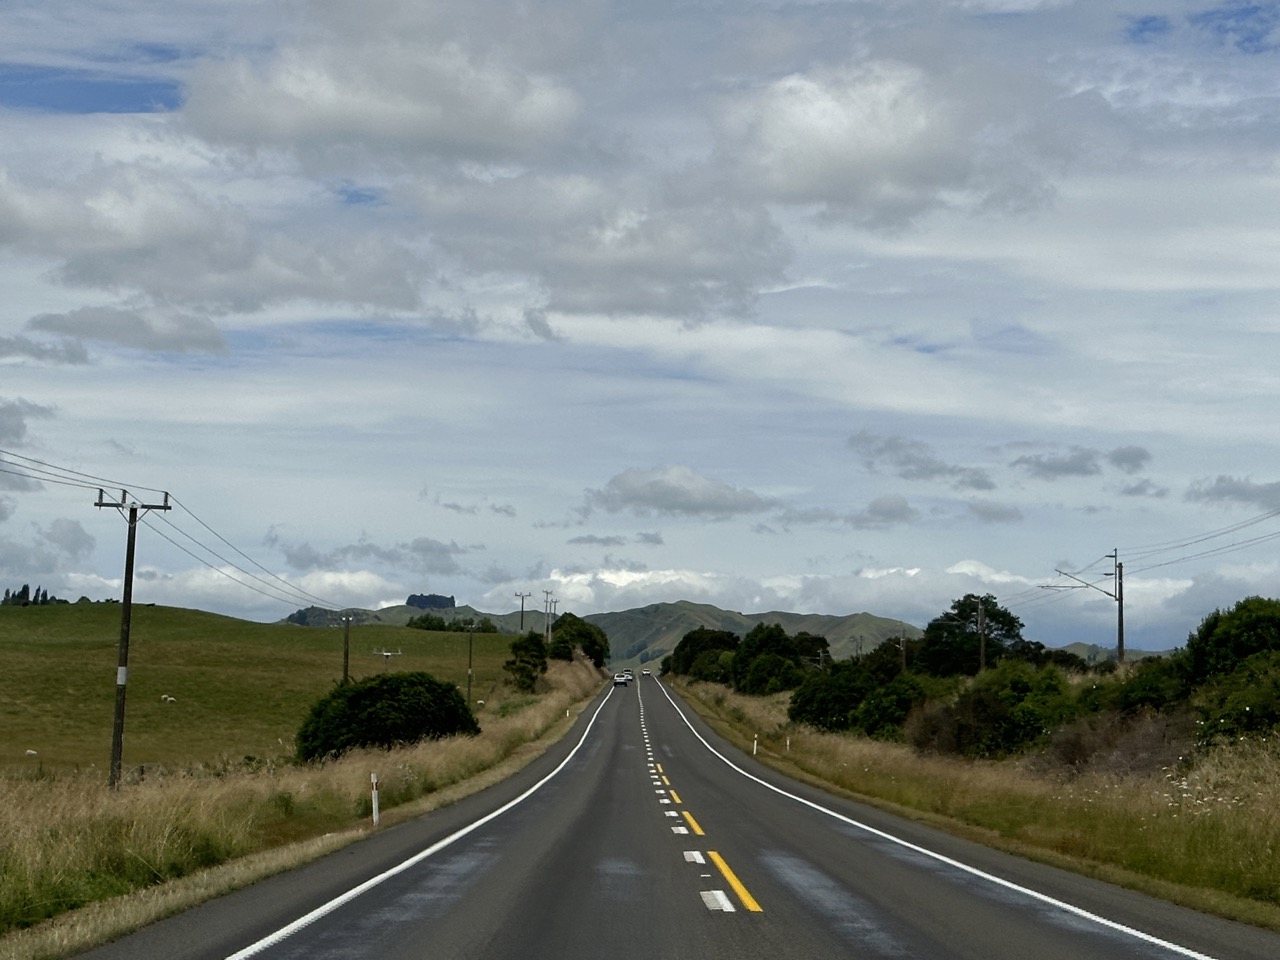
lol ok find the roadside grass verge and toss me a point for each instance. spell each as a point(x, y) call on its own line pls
point(1203, 832)
point(158, 846)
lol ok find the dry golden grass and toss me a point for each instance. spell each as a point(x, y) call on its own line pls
point(128, 857)
point(1203, 832)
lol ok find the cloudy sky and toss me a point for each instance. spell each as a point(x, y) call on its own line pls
point(815, 306)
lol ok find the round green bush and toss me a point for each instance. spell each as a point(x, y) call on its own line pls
point(387, 710)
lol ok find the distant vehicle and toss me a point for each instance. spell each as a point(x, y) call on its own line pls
point(621, 679)
point(629, 672)
point(647, 673)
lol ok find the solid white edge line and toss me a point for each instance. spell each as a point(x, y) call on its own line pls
point(972, 871)
point(287, 931)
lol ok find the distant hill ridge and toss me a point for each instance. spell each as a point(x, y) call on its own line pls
point(649, 633)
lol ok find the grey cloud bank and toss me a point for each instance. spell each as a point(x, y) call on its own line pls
point(820, 307)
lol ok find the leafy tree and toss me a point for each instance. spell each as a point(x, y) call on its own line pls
point(811, 649)
point(385, 710)
point(1011, 707)
point(768, 660)
point(885, 709)
point(885, 659)
point(1225, 639)
point(770, 673)
point(693, 644)
point(570, 632)
point(829, 700)
point(712, 666)
point(952, 644)
point(528, 661)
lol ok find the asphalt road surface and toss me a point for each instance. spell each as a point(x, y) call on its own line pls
point(643, 835)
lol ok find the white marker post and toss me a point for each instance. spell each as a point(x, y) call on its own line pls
point(755, 744)
point(373, 777)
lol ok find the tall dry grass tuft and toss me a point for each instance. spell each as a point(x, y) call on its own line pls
point(68, 841)
point(1204, 830)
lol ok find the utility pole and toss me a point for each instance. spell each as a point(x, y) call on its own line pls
point(982, 637)
point(471, 636)
point(546, 615)
point(1117, 596)
point(126, 614)
point(522, 596)
point(1119, 608)
point(346, 648)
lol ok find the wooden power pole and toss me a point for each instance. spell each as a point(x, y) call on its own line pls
point(126, 613)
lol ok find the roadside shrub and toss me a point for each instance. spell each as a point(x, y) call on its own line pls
point(1225, 639)
point(770, 673)
point(386, 710)
point(1004, 711)
point(1243, 703)
point(829, 700)
point(884, 710)
point(1155, 683)
point(712, 666)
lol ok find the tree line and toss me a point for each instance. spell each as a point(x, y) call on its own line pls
point(432, 621)
point(973, 685)
point(25, 597)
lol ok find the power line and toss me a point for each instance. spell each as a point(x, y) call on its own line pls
point(277, 595)
point(296, 589)
point(41, 471)
point(1162, 547)
point(1216, 551)
point(44, 471)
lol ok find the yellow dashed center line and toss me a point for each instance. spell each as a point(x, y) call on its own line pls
point(693, 824)
point(675, 797)
point(666, 782)
point(731, 878)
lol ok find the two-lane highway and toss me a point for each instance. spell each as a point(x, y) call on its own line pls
point(643, 835)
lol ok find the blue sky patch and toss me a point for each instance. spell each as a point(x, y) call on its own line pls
point(1249, 27)
point(356, 196)
point(1147, 29)
point(144, 53)
point(57, 90)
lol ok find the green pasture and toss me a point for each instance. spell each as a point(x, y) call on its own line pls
point(240, 689)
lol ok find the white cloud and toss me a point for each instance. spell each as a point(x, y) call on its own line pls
point(876, 140)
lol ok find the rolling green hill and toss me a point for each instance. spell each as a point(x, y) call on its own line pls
point(238, 688)
point(647, 634)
